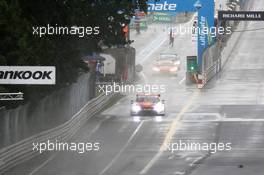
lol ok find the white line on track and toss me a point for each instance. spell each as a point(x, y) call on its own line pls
point(196, 160)
point(170, 133)
point(223, 120)
point(182, 80)
point(174, 123)
point(43, 164)
point(142, 60)
point(149, 47)
point(55, 154)
point(122, 150)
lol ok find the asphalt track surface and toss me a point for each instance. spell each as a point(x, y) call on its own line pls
point(229, 110)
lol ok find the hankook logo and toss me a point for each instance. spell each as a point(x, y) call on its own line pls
point(27, 75)
point(165, 6)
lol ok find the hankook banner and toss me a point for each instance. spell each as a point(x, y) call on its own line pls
point(27, 75)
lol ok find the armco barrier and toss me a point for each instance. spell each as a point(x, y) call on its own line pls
point(45, 113)
point(21, 151)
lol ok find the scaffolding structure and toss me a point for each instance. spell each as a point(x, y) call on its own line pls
point(11, 96)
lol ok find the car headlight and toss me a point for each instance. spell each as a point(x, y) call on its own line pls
point(159, 107)
point(156, 69)
point(177, 62)
point(173, 69)
point(136, 108)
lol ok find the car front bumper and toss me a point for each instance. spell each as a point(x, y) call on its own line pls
point(150, 112)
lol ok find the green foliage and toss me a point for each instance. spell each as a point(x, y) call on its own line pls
point(18, 46)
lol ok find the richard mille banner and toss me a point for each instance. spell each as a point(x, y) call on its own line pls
point(241, 15)
point(27, 75)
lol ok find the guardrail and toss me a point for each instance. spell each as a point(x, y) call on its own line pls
point(213, 70)
point(215, 53)
point(21, 151)
point(207, 75)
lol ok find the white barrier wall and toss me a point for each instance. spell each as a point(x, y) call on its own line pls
point(27, 120)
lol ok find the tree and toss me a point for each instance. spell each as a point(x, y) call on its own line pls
point(18, 45)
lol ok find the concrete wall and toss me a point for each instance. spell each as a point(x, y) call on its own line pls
point(214, 57)
point(27, 120)
point(30, 119)
point(125, 62)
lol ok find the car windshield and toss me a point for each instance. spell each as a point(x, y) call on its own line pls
point(152, 99)
point(172, 57)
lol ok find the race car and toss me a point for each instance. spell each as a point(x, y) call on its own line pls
point(147, 104)
point(167, 63)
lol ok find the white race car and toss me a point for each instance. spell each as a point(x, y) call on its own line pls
point(147, 104)
point(167, 63)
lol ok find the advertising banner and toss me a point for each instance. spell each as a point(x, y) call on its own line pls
point(162, 17)
point(42, 75)
point(171, 6)
point(241, 15)
point(206, 26)
point(205, 9)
